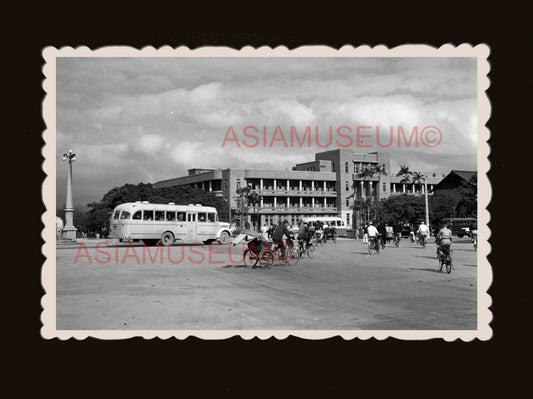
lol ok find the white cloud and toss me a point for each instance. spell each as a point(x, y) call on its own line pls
point(136, 119)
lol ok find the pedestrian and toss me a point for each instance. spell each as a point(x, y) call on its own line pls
point(264, 231)
point(383, 233)
point(365, 234)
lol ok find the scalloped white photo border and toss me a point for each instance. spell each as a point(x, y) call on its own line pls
point(484, 271)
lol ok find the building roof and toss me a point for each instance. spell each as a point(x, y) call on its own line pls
point(455, 179)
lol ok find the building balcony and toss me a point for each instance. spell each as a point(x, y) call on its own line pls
point(300, 193)
point(295, 209)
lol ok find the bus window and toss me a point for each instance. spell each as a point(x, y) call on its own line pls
point(116, 215)
point(211, 217)
point(171, 216)
point(137, 215)
point(202, 217)
point(159, 215)
point(181, 216)
point(191, 217)
point(125, 215)
point(148, 215)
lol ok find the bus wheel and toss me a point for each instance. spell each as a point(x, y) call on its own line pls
point(224, 237)
point(167, 238)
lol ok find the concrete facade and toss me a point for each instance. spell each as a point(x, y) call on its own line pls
point(327, 186)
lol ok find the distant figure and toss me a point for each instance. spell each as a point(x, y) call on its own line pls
point(264, 231)
point(59, 227)
point(365, 235)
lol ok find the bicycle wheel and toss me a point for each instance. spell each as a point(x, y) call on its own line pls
point(449, 266)
point(250, 258)
point(441, 263)
point(266, 258)
point(287, 257)
point(311, 251)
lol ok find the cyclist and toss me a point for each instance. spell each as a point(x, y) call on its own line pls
point(444, 239)
point(412, 233)
point(304, 234)
point(319, 232)
point(373, 233)
point(397, 229)
point(423, 231)
point(277, 236)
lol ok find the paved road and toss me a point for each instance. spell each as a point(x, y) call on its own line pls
point(343, 288)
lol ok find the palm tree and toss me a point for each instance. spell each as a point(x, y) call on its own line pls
point(405, 173)
point(418, 178)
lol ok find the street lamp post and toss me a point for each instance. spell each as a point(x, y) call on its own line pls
point(426, 199)
point(69, 231)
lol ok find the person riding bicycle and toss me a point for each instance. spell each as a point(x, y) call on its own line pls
point(444, 239)
point(279, 231)
point(319, 232)
point(373, 233)
point(397, 230)
point(423, 231)
point(304, 234)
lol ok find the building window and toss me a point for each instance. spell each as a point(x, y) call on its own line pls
point(384, 186)
point(347, 186)
point(225, 184)
point(333, 166)
point(346, 167)
point(347, 202)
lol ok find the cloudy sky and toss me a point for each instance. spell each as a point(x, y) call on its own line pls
point(134, 120)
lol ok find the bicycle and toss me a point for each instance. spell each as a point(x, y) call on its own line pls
point(308, 249)
point(445, 258)
point(374, 245)
point(281, 252)
point(397, 240)
point(255, 253)
point(422, 240)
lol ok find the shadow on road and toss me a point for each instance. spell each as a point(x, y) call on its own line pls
point(427, 257)
point(427, 270)
point(470, 265)
point(233, 265)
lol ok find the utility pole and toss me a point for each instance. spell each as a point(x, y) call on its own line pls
point(426, 199)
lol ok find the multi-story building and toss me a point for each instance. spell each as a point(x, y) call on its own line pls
point(327, 186)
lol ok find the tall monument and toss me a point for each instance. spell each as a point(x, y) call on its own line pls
point(69, 231)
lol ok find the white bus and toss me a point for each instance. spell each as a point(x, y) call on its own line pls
point(331, 221)
point(152, 223)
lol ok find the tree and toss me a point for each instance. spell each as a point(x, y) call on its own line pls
point(405, 173)
point(418, 178)
point(402, 208)
point(467, 205)
point(443, 204)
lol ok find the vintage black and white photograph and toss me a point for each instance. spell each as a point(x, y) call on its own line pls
point(266, 192)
